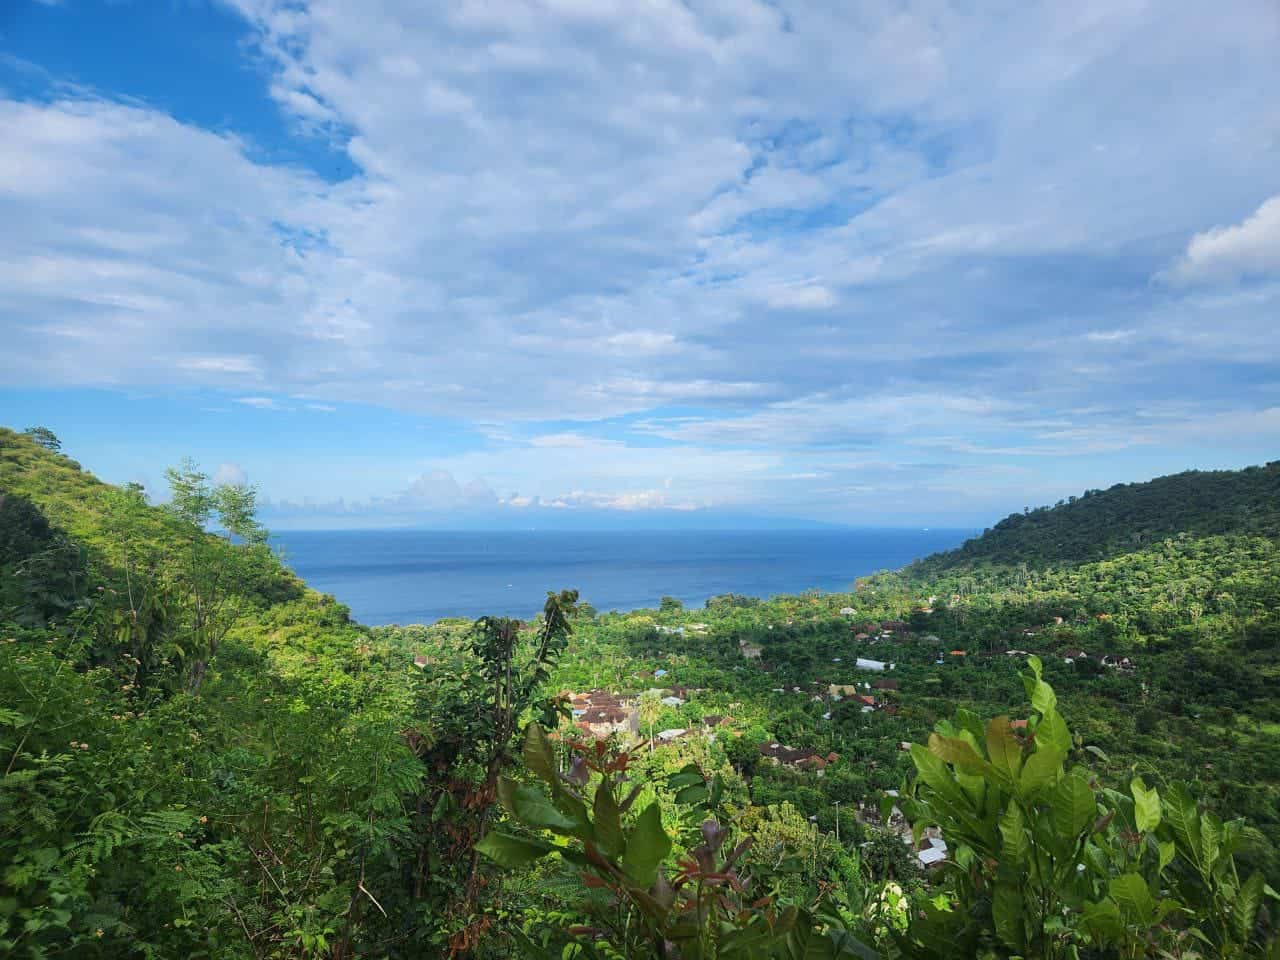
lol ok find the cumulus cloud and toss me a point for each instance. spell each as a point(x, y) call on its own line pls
point(1248, 249)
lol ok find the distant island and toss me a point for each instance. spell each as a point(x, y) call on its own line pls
point(1059, 739)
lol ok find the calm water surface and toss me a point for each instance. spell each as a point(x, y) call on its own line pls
point(415, 576)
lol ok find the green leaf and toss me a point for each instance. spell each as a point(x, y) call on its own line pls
point(1013, 833)
point(1043, 699)
point(608, 822)
point(1052, 731)
point(1133, 897)
point(1043, 768)
point(959, 753)
point(1102, 922)
point(1146, 806)
point(688, 774)
point(1006, 911)
point(934, 773)
point(694, 793)
point(533, 808)
point(538, 757)
point(1167, 851)
point(1210, 841)
point(1074, 808)
point(647, 846)
point(1247, 904)
point(512, 852)
point(1004, 749)
point(1184, 821)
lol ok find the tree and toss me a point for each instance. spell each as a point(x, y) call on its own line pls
point(649, 707)
point(215, 571)
point(45, 437)
point(1043, 863)
point(697, 904)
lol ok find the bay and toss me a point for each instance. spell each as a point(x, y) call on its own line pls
point(419, 576)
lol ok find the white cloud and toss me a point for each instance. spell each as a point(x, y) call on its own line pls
point(1249, 249)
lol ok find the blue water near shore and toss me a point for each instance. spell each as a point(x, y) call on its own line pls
point(416, 576)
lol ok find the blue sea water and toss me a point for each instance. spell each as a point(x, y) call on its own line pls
point(416, 576)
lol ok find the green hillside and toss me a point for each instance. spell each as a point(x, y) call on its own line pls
point(1127, 517)
point(202, 757)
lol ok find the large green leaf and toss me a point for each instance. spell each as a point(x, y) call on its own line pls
point(647, 846)
point(1006, 911)
point(534, 809)
point(1183, 820)
point(1043, 699)
point(511, 851)
point(608, 822)
point(1133, 897)
point(1052, 731)
point(933, 771)
point(959, 753)
point(538, 757)
point(1210, 841)
point(1102, 921)
point(1013, 834)
point(1004, 749)
point(1043, 768)
point(1074, 808)
point(1146, 806)
point(1247, 904)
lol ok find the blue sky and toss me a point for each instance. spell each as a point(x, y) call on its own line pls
point(910, 262)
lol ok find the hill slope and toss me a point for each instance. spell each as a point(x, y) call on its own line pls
point(1124, 518)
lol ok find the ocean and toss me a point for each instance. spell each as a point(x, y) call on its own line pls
point(416, 576)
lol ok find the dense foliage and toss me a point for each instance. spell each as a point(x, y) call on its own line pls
point(200, 757)
point(1127, 517)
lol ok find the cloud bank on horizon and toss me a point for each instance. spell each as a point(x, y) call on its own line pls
point(898, 261)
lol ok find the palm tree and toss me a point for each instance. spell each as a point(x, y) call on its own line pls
point(650, 706)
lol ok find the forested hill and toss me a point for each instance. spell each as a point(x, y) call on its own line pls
point(1102, 524)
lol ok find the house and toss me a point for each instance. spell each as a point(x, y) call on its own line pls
point(1117, 663)
point(864, 664)
point(933, 850)
point(957, 653)
point(602, 722)
point(659, 672)
point(885, 684)
point(420, 661)
point(816, 763)
point(862, 636)
point(838, 690)
point(894, 626)
point(751, 651)
point(797, 757)
point(666, 736)
point(1070, 656)
point(847, 611)
point(672, 702)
